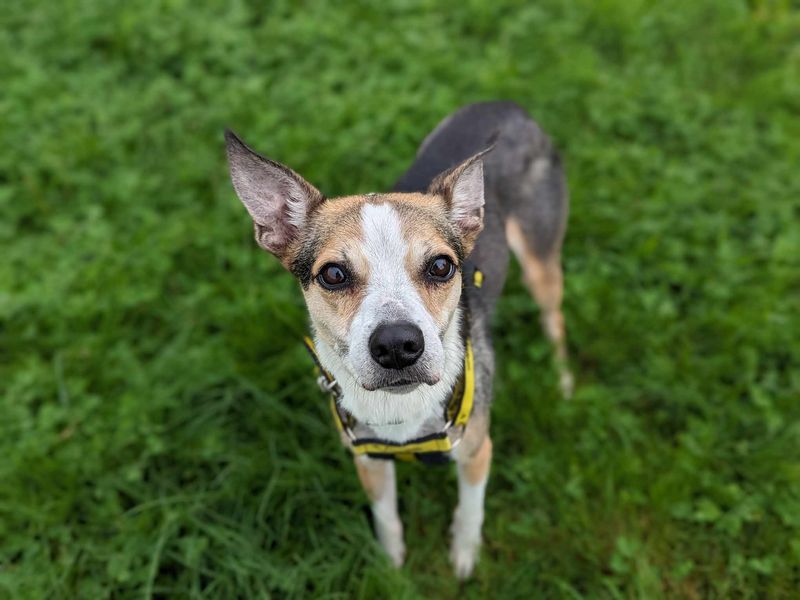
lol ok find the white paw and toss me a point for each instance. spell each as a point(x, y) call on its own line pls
point(396, 552)
point(463, 556)
point(465, 546)
point(391, 538)
point(567, 383)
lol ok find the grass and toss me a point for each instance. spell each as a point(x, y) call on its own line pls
point(161, 433)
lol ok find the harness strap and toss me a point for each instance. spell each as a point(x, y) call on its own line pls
point(458, 411)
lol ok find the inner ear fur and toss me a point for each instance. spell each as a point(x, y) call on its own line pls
point(279, 200)
point(462, 188)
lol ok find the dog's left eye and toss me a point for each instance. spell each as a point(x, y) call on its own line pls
point(333, 277)
point(441, 268)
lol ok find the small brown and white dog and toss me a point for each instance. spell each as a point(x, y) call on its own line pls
point(401, 286)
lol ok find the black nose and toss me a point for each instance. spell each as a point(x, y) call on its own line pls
point(396, 345)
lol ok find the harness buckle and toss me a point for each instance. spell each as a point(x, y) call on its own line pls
point(325, 385)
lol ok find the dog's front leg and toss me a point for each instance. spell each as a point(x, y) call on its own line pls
point(377, 477)
point(473, 473)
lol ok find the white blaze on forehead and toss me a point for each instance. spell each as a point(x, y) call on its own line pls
point(385, 249)
point(390, 294)
point(383, 234)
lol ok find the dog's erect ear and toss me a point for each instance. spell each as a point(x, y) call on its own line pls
point(462, 189)
point(277, 198)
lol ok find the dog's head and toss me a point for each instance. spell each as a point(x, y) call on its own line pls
point(381, 273)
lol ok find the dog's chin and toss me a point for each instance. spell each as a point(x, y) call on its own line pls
point(401, 385)
point(401, 388)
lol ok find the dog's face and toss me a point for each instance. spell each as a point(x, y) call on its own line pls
point(381, 273)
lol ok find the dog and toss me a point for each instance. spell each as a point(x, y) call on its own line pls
point(401, 287)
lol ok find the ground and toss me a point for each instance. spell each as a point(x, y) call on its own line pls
point(161, 432)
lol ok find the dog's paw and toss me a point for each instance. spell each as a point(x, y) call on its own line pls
point(465, 545)
point(397, 552)
point(463, 556)
point(567, 383)
point(391, 538)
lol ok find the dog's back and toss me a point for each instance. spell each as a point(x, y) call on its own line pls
point(526, 203)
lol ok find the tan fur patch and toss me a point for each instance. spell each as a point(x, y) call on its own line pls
point(543, 278)
point(332, 313)
point(476, 469)
point(372, 475)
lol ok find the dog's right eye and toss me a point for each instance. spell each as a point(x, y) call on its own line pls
point(441, 269)
point(333, 277)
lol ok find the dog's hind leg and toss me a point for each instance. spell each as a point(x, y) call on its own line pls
point(378, 479)
point(535, 230)
point(545, 281)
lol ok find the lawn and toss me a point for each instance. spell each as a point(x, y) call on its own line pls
point(160, 430)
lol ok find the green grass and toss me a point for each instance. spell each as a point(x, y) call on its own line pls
point(160, 431)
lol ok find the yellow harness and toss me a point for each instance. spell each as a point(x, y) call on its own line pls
point(431, 448)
